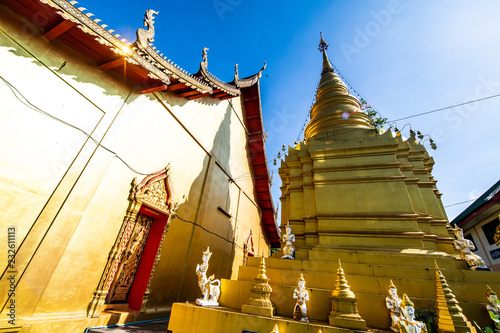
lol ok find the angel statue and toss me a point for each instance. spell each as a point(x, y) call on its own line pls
point(393, 303)
point(287, 241)
point(493, 306)
point(408, 324)
point(466, 246)
point(210, 288)
point(302, 296)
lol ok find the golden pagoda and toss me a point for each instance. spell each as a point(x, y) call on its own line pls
point(367, 198)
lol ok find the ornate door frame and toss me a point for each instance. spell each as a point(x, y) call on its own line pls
point(151, 197)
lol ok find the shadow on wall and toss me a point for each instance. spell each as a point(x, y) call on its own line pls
point(175, 277)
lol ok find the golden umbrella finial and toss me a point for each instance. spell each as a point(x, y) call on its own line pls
point(323, 45)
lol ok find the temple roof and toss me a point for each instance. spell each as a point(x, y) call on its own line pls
point(488, 199)
point(143, 64)
point(140, 61)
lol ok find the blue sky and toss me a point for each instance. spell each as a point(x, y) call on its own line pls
point(404, 56)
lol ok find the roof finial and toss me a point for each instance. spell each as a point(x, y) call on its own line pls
point(323, 45)
point(205, 55)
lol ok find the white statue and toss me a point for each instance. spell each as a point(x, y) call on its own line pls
point(393, 303)
point(493, 306)
point(408, 324)
point(275, 329)
point(466, 247)
point(302, 296)
point(210, 288)
point(287, 241)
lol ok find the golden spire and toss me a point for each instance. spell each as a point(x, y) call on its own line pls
point(334, 109)
point(449, 314)
point(344, 305)
point(260, 298)
point(342, 289)
point(323, 46)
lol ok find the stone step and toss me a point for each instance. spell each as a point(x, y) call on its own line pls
point(368, 281)
point(419, 282)
point(187, 318)
point(408, 257)
point(322, 274)
point(371, 295)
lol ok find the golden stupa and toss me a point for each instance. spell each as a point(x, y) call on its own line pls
point(366, 198)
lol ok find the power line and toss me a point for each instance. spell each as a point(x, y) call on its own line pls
point(210, 232)
point(445, 108)
point(459, 203)
point(30, 105)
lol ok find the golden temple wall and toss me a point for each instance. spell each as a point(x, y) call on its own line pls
point(67, 197)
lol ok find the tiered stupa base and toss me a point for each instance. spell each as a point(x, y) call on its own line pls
point(368, 274)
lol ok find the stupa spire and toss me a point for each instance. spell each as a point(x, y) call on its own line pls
point(344, 305)
point(335, 109)
point(259, 302)
point(323, 46)
point(449, 314)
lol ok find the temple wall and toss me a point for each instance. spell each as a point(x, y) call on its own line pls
point(67, 197)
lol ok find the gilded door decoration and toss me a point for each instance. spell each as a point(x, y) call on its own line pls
point(130, 261)
point(154, 191)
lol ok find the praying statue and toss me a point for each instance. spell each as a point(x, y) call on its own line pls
point(287, 241)
point(408, 324)
point(466, 246)
point(393, 303)
point(302, 296)
point(210, 288)
point(493, 306)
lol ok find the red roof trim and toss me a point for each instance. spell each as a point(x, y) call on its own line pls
point(253, 116)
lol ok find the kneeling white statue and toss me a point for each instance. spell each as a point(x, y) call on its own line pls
point(393, 303)
point(408, 324)
point(210, 288)
point(287, 241)
point(302, 296)
point(493, 306)
point(466, 246)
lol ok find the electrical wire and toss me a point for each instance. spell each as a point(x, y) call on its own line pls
point(31, 106)
point(210, 232)
point(356, 90)
point(459, 203)
point(445, 108)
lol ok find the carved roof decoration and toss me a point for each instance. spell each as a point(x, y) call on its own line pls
point(247, 81)
point(212, 80)
point(141, 52)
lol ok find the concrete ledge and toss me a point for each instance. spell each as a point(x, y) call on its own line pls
point(188, 318)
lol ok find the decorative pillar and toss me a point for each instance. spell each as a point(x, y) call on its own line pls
point(344, 305)
point(259, 302)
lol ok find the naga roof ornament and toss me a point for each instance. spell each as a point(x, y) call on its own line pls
point(144, 36)
point(144, 48)
point(212, 80)
point(248, 81)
